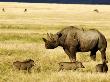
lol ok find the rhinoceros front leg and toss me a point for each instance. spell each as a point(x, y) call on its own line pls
point(68, 53)
point(73, 54)
point(72, 59)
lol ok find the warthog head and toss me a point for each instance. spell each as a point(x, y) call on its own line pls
point(52, 40)
point(30, 61)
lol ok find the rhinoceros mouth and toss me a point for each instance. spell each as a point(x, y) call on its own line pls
point(49, 47)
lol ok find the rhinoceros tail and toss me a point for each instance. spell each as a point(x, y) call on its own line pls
point(102, 45)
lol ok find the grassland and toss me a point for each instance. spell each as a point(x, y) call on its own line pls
point(21, 38)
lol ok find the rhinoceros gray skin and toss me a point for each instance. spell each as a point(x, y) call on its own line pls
point(74, 40)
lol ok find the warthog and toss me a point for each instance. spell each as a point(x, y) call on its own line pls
point(25, 65)
point(102, 67)
point(70, 65)
point(74, 40)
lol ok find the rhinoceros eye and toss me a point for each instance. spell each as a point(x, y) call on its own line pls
point(54, 41)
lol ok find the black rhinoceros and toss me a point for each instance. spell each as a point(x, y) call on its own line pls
point(73, 40)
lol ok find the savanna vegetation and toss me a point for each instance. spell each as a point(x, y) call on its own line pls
point(21, 36)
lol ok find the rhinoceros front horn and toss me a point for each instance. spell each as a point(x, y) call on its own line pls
point(44, 40)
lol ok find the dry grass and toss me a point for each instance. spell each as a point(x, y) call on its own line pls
point(21, 38)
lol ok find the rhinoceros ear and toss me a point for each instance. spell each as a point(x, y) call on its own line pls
point(59, 35)
point(75, 35)
point(44, 40)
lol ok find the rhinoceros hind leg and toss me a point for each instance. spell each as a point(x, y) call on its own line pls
point(103, 54)
point(93, 55)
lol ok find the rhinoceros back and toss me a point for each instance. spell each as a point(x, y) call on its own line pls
point(87, 39)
